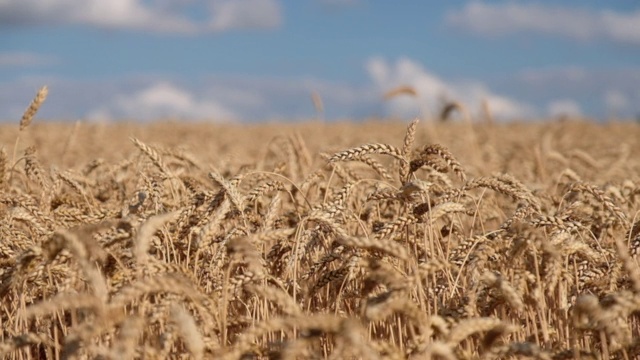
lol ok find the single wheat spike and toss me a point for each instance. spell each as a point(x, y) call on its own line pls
point(350, 340)
point(630, 265)
point(124, 346)
point(324, 218)
point(587, 159)
point(471, 326)
point(450, 107)
point(512, 297)
point(34, 169)
point(602, 198)
point(385, 274)
point(272, 235)
point(445, 154)
point(384, 305)
point(335, 254)
point(242, 248)
point(435, 162)
point(145, 233)
point(460, 254)
point(273, 211)
point(188, 331)
point(359, 151)
point(262, 189)
point(486, 112)
point(317, 102)
point(528, 195)
point(24, 340)
point(85, 250)
point(67, 178)
point(400, 90)
point(390, 247)
point(160, 283)
point(328, 277)
point(376, 166)
point(383, 194)
point(206, 235)
point(64, 302)
point(444, 209)
point(31, 111)
point(504, 186)
point(236, 198)
point(153, 156)
point(410, 136)
point(391, 228)
point(345, 174)
point(409, 139)
point(19, 213)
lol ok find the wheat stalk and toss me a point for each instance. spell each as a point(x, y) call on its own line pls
point(360, 151)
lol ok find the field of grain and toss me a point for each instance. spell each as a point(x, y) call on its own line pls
point(372, 240)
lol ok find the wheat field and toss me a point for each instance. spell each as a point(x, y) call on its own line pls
point(421, 239)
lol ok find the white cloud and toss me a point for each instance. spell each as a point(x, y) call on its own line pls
point(162, 100)
point(234, 14)
point(168, 16)
point(622, 27)
point(431, 90)
point(129, 14)
point(564, 107)
point(534, 93)
point(599, 91)
point(615, 100)
point(24, 59)
point(145, 97)
point(576, 23)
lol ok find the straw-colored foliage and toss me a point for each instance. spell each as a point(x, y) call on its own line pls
point(375, 240)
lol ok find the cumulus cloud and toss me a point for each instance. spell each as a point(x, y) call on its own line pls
point(599, 91)
point(168, 16)
point(533, 93)
point(564, 107)
point(262, 98)
point(432, 90)
point(24, 59)
point(162, 100)
point(130, 14)
point(236, 14)
point(616, 100)
point(576, 23)
point(213, 97)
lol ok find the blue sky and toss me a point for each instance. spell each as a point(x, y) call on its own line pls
point(257, 60)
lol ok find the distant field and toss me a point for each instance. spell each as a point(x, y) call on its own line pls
point(372, 240)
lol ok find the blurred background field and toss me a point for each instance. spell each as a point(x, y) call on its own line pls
point(71, 144)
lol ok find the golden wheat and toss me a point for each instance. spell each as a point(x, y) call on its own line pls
point(469, 241)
